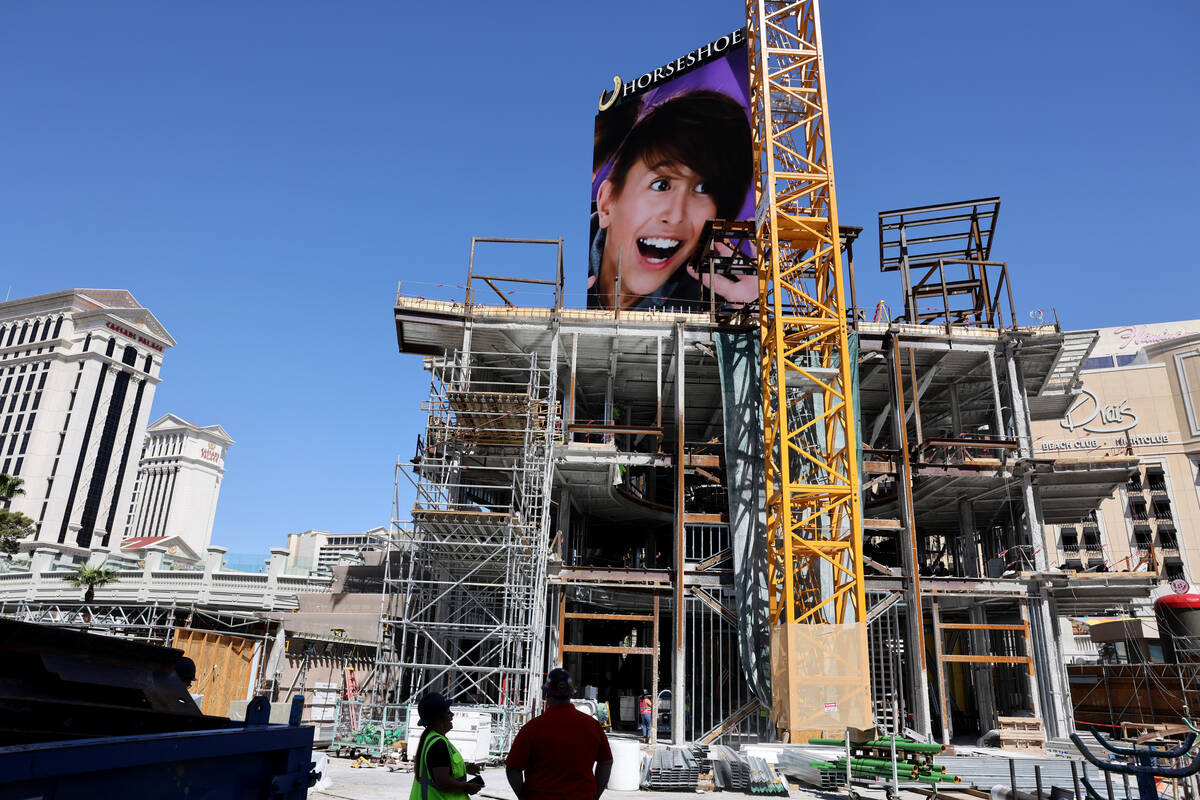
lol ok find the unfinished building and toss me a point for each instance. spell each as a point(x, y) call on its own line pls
point(589, 494)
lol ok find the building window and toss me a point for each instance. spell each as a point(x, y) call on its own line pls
point(1137, 509)
point(1142, 537)
point(1167, 539)
point(1173, 571)
point(1123, 360)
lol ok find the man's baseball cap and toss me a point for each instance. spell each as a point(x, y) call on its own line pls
point(432, 708)
point(559, 684)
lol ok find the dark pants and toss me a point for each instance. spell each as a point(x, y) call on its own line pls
point(644, 724)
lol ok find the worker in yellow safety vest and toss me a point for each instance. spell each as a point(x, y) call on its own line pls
point(440, 768)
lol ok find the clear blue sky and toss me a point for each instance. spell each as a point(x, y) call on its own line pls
point(260, 175)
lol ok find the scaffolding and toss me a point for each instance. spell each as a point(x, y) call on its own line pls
point(464, 612)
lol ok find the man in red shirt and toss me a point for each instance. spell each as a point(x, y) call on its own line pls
point(553, 755)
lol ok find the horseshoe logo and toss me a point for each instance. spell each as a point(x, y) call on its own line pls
point(606, 104)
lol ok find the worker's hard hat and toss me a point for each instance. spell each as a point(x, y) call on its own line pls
point(432, 708)
point(559, 684)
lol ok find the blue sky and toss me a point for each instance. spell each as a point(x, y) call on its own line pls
point(261, 175)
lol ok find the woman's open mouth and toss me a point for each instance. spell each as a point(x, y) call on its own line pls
point(658, 250)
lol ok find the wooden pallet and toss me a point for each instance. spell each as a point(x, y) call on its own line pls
point(1021, 733)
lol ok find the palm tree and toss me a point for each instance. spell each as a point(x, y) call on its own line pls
point(14, 526)
point(91, 577)
point(10, 487)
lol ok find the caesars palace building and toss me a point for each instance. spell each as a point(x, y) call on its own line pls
point(77, 375)
point(1141, 397)
point(78, 370)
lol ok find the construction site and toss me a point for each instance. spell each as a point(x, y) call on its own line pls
point(786, 517)
point(828, 544)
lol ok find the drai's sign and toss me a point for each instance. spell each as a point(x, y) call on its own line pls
point(1089, 415)
point(1092, 416)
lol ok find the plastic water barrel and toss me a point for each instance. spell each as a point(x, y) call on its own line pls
point(627, 765)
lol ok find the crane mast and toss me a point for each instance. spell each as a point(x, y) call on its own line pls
point(815, 580)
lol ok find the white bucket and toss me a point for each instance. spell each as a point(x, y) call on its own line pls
point(627, 765)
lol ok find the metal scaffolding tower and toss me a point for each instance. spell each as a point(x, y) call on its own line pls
point(464, 612)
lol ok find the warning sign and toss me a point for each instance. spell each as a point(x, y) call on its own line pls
point(831, 708)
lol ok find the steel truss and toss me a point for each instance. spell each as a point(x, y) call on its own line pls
point(464, 614)
point(812, 479)
point(153, 622)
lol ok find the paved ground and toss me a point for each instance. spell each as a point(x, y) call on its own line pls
point(376, 783)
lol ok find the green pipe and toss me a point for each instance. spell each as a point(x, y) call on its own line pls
point(879, 762)
point(866, 771)
point(902, 745)
point(907, 746)
point(871, 770)
point(943, 778)
point(901, 766)
point(876, 762)
point(884, 774)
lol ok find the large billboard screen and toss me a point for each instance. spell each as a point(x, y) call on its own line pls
point(672, 150)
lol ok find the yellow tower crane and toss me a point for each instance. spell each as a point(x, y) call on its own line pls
point(819, 660)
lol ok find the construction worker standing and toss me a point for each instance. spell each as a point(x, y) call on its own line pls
point(440, 768)
point(553, 755)
point(645, 714)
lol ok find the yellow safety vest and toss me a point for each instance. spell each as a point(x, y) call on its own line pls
point(423, 787)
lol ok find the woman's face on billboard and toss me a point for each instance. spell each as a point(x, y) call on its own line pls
point(653, 223)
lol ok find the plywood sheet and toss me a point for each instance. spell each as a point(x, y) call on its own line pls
point(224, 664)
point(819, 678)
